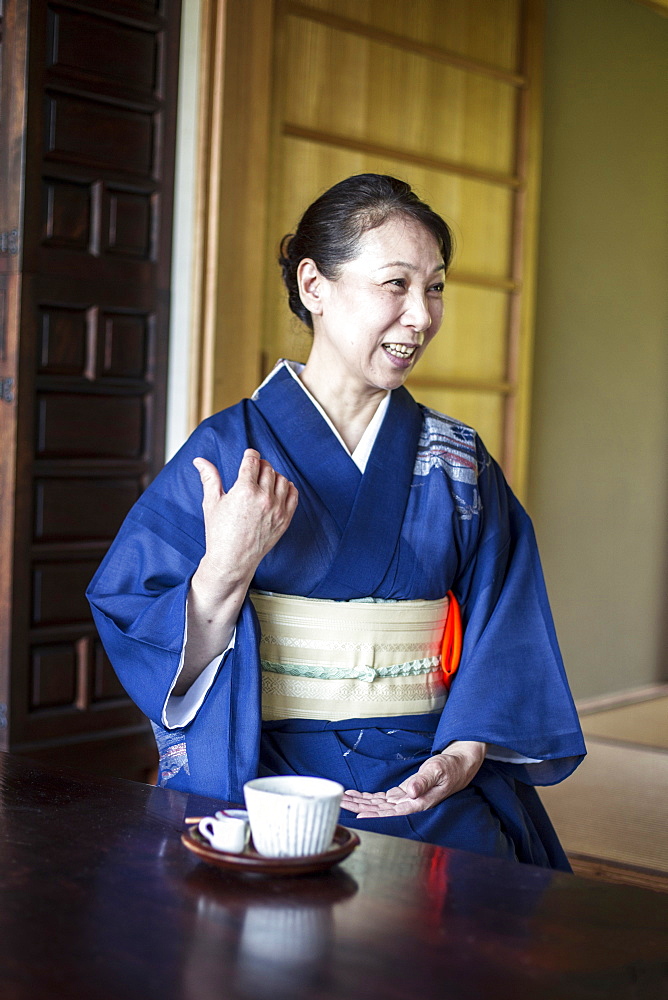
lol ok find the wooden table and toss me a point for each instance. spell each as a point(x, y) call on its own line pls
point(99, 900)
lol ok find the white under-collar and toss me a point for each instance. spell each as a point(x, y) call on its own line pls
point(360, 455)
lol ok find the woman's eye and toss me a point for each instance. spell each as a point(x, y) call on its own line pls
point(438, 287)
point(398, 282)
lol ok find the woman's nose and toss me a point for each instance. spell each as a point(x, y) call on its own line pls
point(416, 314)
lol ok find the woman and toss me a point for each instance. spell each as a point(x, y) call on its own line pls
point(339, 513)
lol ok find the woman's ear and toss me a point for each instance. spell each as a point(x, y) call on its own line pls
point(310, 283)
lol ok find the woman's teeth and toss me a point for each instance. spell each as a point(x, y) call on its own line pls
point(400, 350)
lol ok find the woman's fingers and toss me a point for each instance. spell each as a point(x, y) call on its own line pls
point(282, 487)
point(277, 486)
point(421, 791)
point(266, 479)
point(249, 469)
point(272, 483)
point(420, 784)
point(252, 470)
point(257, 470)
point(210, 478)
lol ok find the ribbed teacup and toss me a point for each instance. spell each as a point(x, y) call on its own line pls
point(292, 816)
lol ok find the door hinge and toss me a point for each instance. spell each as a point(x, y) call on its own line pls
point(9, 241)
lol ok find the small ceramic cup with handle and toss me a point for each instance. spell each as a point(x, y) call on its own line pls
point(292, 815)
point(226, 831)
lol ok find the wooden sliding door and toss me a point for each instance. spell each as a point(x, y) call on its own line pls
point(87, 124)
point(443, 93)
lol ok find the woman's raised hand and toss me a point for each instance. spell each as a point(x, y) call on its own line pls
point(243, 525)
point(240, 526)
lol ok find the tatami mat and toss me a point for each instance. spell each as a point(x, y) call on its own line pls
point(615, 806)
point(645, 723)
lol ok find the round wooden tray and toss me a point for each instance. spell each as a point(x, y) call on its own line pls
point(344, 843)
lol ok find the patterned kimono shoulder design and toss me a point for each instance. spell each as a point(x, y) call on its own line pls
point(451, 446)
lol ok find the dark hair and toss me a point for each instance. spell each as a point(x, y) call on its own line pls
point(330, 229)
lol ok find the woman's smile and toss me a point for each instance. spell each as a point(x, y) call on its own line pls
point(403, 353)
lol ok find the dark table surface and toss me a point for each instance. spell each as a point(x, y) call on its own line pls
point(100, 899)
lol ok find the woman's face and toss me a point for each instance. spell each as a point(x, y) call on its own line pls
point(374, 322)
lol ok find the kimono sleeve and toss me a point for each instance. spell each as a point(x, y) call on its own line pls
point(138, 595)
point(138, 600)
point(511, 689)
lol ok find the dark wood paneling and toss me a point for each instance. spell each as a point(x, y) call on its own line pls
point(131, 224)
point(125, 345)
point(87, 426)
point(89, 168)
point(134, 8)
point(118, 53)
point(63, 346)
point(53, 676)
point(100, 505)
point(83, 130)
point(68, 213)
point(59, 592)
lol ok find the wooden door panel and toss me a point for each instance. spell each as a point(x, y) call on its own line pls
point(377, 93)
point(95, 344)
point(67, 213)
point(71, 425)
point(474, 29)
point(130, 217)
point(53, 676)
point(101, 505)
point(63, 340)
point(472, 341)
point(125, 345)
point(83, 214)
point(59, 591)
point(480, 213)
point(57, 679)
point(139, 9)
point(92, 344)
point(86, 131)
point(121, 54)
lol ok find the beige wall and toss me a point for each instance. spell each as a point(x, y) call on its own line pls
point(599, 461)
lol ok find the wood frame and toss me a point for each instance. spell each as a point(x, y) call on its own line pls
point(522, 305)
point(233, 162)
point(14, 72)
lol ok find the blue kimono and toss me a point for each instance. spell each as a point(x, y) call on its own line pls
point(431, 513)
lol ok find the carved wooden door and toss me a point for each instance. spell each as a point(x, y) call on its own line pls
point(87, 127)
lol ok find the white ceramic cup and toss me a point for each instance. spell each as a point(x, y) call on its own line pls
point(292, 816)
point(224, 832)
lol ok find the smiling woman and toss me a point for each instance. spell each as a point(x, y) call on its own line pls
point(284, 611)
point(365, 271)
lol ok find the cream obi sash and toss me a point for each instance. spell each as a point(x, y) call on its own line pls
point(349, 659)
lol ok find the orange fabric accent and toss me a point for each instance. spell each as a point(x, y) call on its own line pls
point(452, 641)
